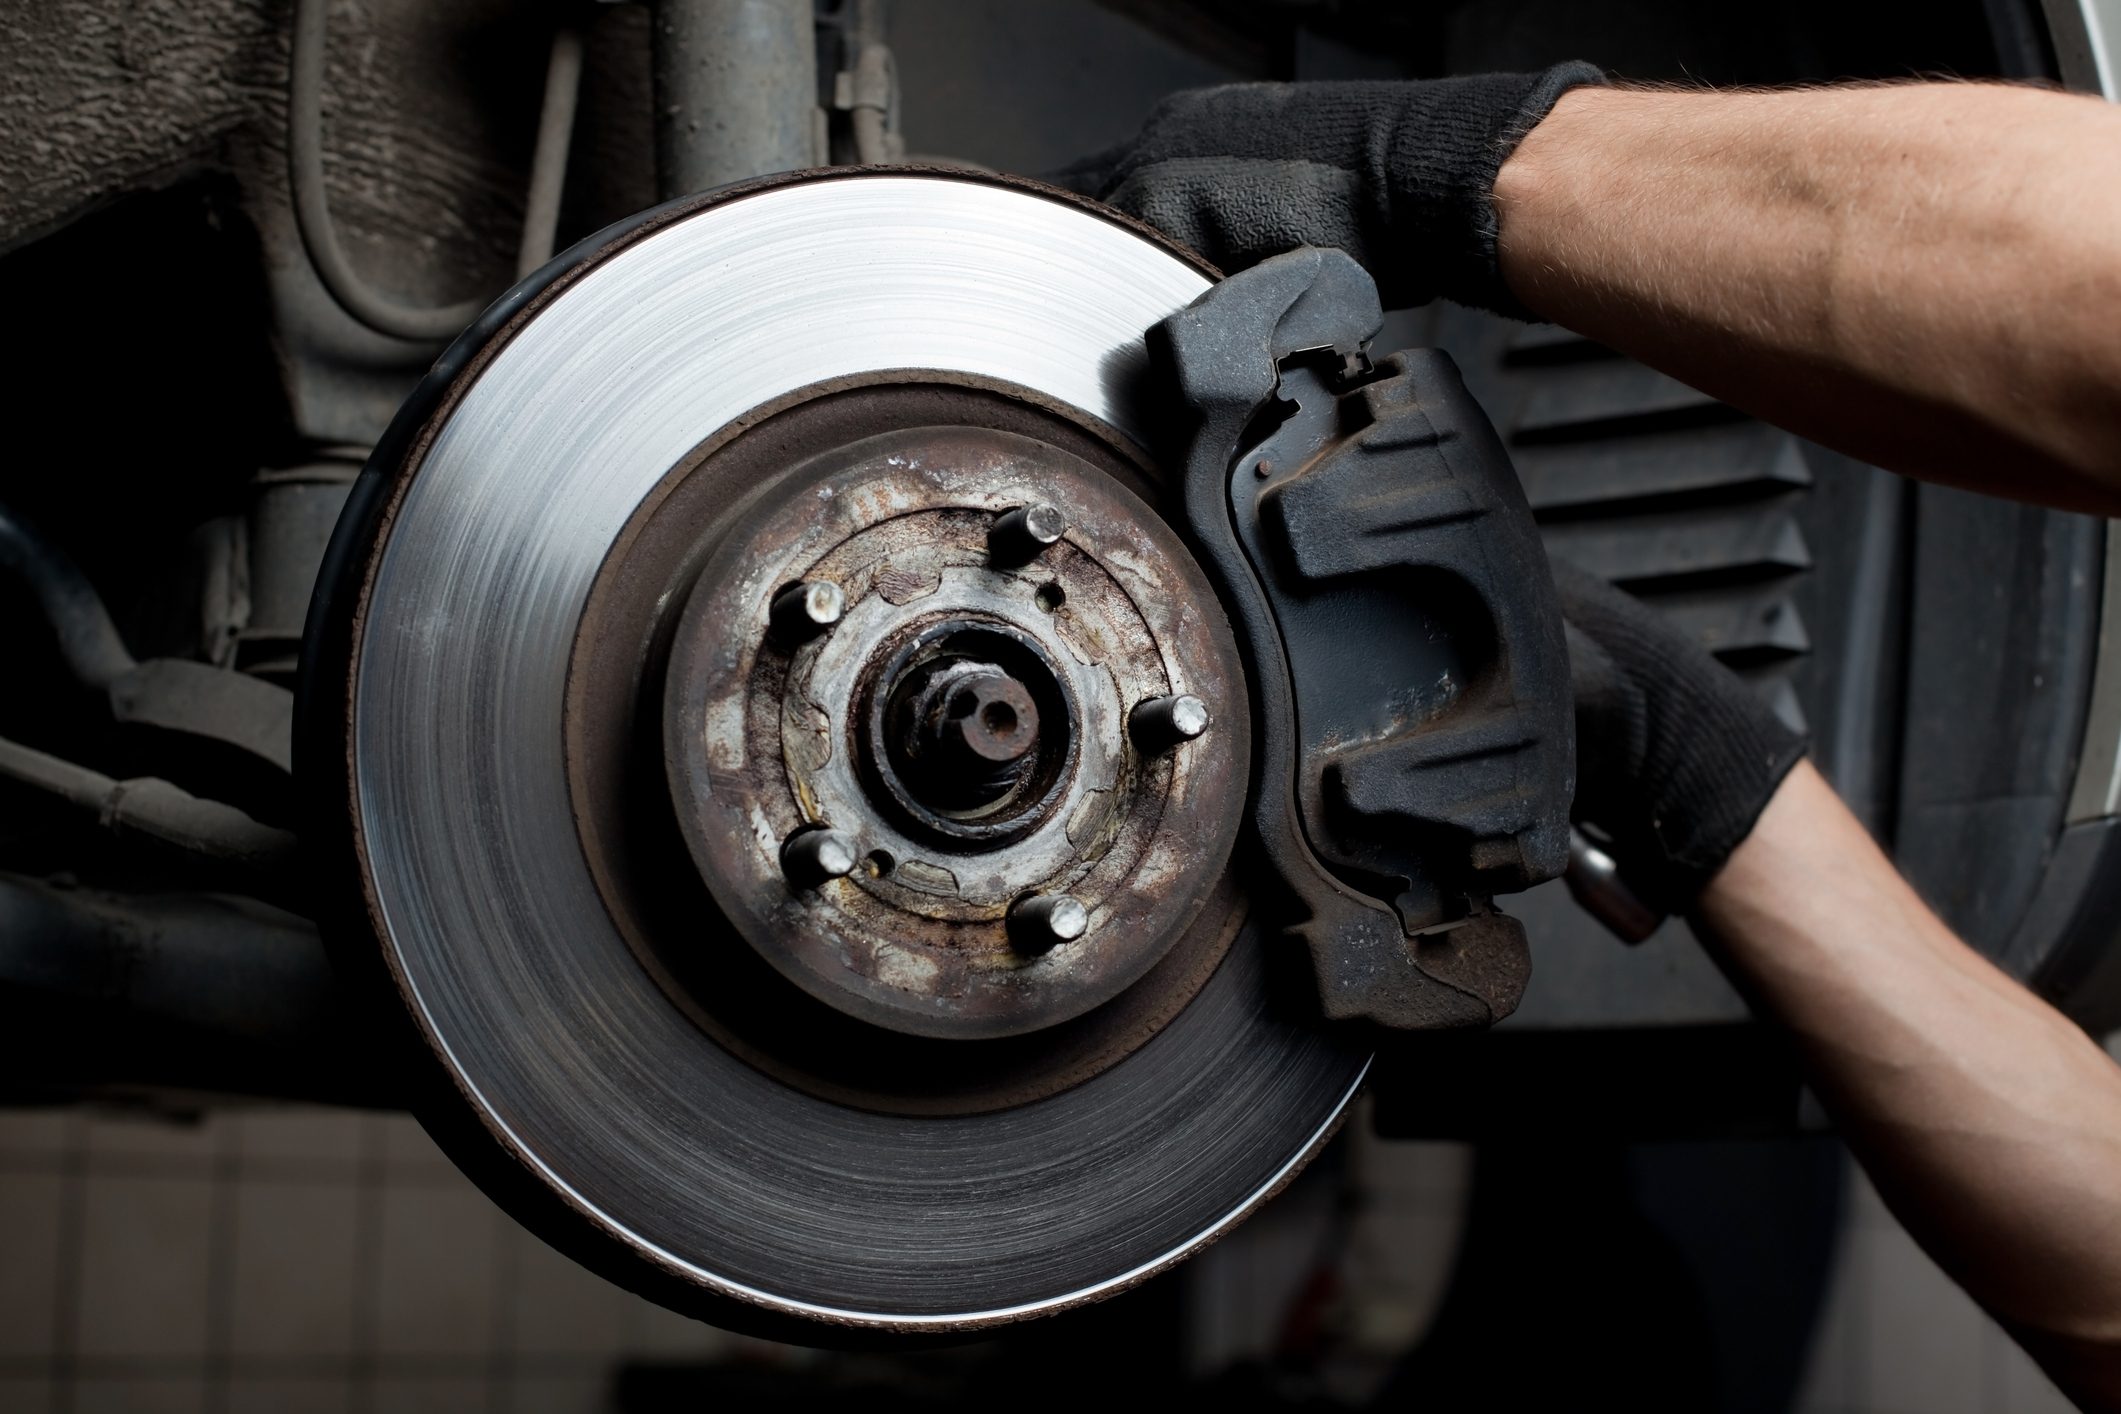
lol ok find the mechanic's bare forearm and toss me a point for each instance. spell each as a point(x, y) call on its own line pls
point(1989, 1122)
point(1926, 276)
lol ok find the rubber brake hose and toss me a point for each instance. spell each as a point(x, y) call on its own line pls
point(320, 238)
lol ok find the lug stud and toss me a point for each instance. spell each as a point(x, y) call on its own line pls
point(812, 856)
point(1020, 536)
point(1161, 723)
point(1045, 921)
point(803, 611)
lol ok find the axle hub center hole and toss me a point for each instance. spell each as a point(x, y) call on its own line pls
point(974, 726)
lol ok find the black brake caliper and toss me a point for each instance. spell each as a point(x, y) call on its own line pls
point(1413, 729)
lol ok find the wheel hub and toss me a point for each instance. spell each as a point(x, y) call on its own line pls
point(962, 726)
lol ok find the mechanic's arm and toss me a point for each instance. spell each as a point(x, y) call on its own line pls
point(1926, 276)
point(1989, 1123)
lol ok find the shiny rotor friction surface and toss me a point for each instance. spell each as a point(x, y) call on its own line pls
point(583, 1068)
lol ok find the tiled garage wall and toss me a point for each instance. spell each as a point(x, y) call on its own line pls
point(296, 1261)
point(290, 1262)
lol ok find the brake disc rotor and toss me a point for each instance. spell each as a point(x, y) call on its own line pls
point(580, 731)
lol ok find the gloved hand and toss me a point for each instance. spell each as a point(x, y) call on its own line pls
point(1675, 757)
point(1399, 175)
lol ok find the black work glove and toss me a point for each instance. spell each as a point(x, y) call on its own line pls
point(1400, 175)
point(1675, 757)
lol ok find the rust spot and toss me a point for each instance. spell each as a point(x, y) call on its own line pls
point(926, 877)
point(902, 585)
point(1094, 825)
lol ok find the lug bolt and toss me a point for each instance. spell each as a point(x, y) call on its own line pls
point(1160, 723)
point(1020, 536)
point(803, 611)
point(1044, 921)
point(813, 855)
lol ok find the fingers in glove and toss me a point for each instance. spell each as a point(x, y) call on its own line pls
point(1677, 756)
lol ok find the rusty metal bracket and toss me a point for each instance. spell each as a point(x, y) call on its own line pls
point(1414, 751)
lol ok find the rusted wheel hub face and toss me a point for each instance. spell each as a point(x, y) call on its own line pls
point(803, 653)
point(963, 724)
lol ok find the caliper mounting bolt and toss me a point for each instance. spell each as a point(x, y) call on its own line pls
point(1161, 723)
point(1043, 921)
point(803, 611)
point(815, 854)
point(1020, 536)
